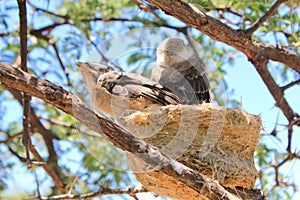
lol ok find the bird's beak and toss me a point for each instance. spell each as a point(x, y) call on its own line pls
point(79, 64)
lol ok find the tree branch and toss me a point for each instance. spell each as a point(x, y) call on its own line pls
point(66, 20)
point(47, 11)
point(264, 18)
point(291, 84)
point(56, 179)
point(221, 32)
point(120, 137)
point(5, 33)
point(39, 161)
point(62, 64)
point(48, 139)
point(10, 138)
point(145, 7)
point(23, 34)
point(261, 66)
point(36, 125)
point(26, 99)
point(101, 192)
point(103, 57)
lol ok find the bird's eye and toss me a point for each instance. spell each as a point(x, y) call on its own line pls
point(102, 70)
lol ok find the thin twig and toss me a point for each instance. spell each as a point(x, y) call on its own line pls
point(16, 154)
point(138, 20)
point(57, 122)
point(47, 168)
point(72, 186)
point(26, 99)
point(37, 186)
point(104, 58)
point(43, 33)
point(264, 18)
point(147, 8)
point(290, 134)
point(26, 126)
point(227, 9)
point(10, 137)
point(291, 84)
point(38, 32)
point(101, 192)
point(5, 33)
point(47, 11)
point(22, 159)
point(62, 64)
point(111, 19)
point(191, 44)
point(274, 131)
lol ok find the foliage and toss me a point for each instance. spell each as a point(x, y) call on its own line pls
point(63, 32)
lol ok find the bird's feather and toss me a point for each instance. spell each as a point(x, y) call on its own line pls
point(184, 76)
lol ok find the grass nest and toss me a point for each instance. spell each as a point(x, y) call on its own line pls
point(216, 141)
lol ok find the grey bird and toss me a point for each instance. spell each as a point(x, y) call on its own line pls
point(182, 72)
point(113, 92)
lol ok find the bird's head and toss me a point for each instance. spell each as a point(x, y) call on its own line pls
point(171, 50)
point(91, 71)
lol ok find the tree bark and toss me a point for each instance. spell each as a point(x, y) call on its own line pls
point(219, 31)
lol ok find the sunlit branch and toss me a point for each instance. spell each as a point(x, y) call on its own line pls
point(222, 32)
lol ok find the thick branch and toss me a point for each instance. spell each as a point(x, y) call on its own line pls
point(221, 32)
point(120, 137)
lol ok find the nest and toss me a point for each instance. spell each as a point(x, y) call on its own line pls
point(216, 141)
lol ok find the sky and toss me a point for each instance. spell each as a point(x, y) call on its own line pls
point(256, 99)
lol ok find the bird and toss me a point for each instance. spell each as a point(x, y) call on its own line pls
point(183, 72)
point(113, 91)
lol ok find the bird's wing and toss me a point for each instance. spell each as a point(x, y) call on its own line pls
point(135, 86)
point(187, 79)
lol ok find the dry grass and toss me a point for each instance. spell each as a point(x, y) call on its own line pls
point(215, 141)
